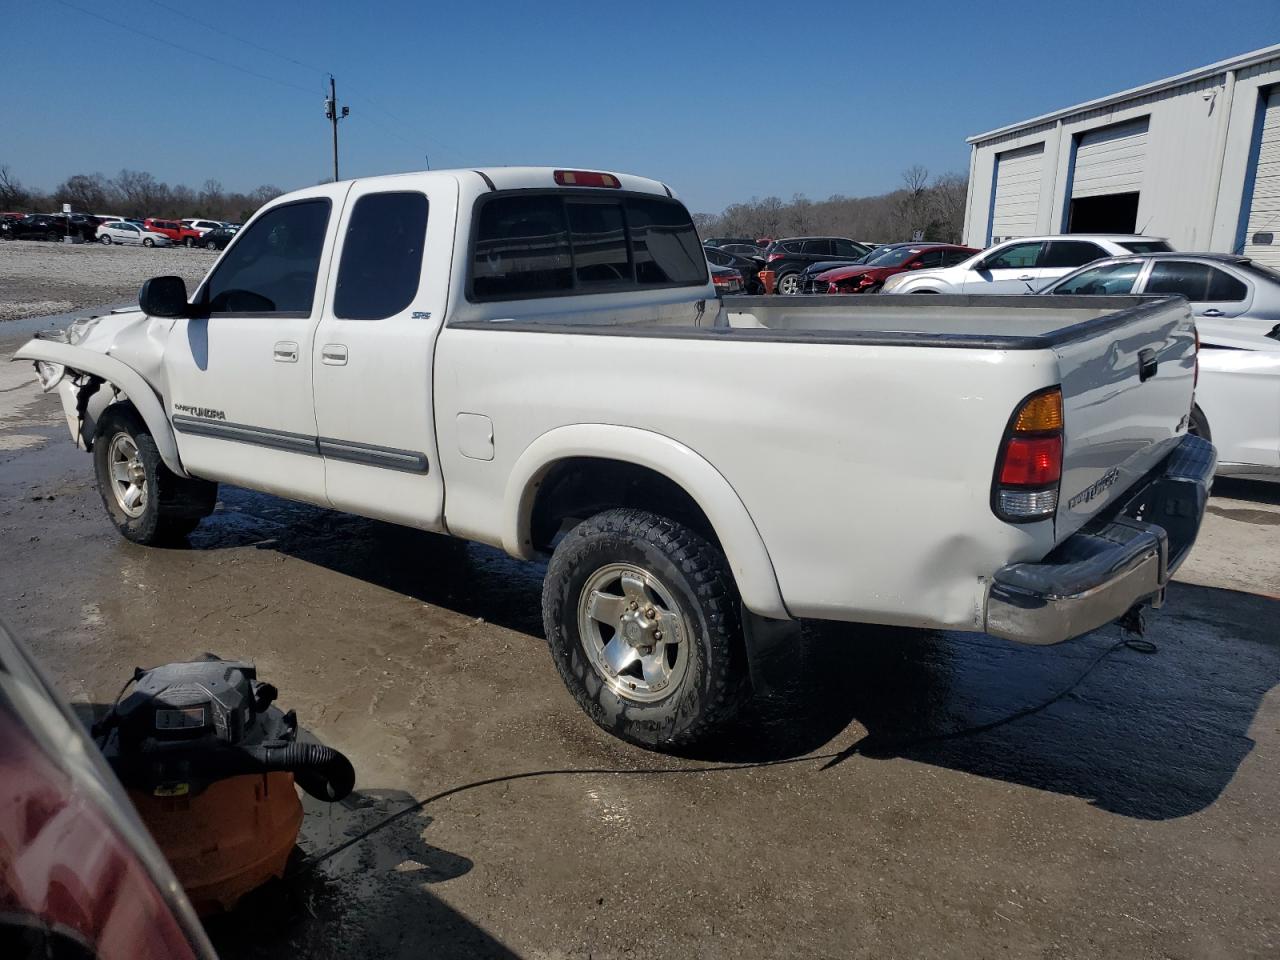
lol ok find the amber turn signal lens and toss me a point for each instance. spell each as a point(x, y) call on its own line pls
point(1041, 413)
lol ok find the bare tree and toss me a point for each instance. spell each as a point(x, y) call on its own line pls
point(12, 194)
point(86, 192)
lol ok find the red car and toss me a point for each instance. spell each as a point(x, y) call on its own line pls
point(175, 231)
point(885, 261)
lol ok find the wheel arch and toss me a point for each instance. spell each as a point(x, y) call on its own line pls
point(124, 379)
point(705, 488)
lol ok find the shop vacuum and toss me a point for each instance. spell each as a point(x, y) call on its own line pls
point(210, 763)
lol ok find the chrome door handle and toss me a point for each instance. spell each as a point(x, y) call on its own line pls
point(334, 354)
point(286, 351)
point(1212, 312)
point(1025, 277)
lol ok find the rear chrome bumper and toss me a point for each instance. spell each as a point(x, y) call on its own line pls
point(1097, 575)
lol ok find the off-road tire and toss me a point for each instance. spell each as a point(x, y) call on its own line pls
point(174, 506)
point(695, 572)
point(1198, 426)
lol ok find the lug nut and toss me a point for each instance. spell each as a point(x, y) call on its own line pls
point(657, 634)
point(650, 613)
point(634, 605)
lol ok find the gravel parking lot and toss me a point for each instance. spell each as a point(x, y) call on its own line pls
point(897, 793)
point(38, 278)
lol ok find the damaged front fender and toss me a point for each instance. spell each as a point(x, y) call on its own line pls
point(101, 380)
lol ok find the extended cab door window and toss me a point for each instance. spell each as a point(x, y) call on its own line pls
point(272, 266)
point(381, 256)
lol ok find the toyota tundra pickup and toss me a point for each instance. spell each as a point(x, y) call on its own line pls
point(537, 359)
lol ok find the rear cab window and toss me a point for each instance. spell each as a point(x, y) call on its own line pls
point(530, 244)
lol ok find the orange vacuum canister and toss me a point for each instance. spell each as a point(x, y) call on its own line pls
point(211, 764)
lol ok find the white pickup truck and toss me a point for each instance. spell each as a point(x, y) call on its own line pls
point(536, 359)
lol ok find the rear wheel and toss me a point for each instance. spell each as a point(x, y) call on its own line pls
point(1199, 424)
point(189, 242)
point(147, 502)
point(105, 239)
point(641, 614)
point(789, 284)
point(53, 236)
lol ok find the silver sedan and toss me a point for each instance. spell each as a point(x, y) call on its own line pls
point(1236, 302)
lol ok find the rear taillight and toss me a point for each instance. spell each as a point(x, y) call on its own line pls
point(1029, 465)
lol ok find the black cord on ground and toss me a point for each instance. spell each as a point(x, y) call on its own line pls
point(864, 745)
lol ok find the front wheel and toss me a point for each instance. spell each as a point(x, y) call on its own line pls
point(211, 245)
point(148, 242)
point(189, 243)
point(641, 614)
point(53, 236)
point(147, 502)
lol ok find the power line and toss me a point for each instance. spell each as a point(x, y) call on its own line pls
point(197, 53)
point(232, 36)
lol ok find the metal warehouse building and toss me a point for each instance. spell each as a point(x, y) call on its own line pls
point(1194, 158)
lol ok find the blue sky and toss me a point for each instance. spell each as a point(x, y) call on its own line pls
point(722, 100)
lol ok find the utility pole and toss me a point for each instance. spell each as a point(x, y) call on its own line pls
point(333, 116)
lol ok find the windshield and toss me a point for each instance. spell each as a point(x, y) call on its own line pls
point(1147, 246)
point(893, 257)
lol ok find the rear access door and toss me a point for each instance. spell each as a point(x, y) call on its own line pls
point(374, 349)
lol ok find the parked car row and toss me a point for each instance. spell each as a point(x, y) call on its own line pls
point(109, 228)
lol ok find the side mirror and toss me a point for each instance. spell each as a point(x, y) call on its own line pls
point(916, 266)
point(164, 297)
point(1275, 332)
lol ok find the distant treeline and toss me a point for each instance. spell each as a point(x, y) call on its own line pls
point(133, 193)
point(932, 206)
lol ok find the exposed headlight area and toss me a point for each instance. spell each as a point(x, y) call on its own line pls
point(80, 328)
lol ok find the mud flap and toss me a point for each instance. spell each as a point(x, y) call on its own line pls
point(764, 638)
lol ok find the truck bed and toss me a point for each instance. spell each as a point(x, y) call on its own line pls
point(1027, 323)
point(975, 322)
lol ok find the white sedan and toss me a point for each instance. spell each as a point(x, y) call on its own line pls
point(122, 231)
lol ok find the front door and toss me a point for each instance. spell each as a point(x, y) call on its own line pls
point(240, 393)
point(1011, 269)
point(373, 351)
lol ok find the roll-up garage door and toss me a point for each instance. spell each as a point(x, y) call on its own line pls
point(1017, 192)
point(1110, 160)
point(1264, 207)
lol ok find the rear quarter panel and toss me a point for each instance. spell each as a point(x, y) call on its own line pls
point(866, 469)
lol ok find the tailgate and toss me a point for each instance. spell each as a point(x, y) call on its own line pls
point(1127, 392)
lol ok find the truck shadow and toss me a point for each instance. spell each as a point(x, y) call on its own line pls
point(1149, 736)
point(371, 900)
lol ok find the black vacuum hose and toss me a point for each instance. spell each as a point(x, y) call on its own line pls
point(321, 771)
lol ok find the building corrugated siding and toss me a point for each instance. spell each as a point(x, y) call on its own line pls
point(1264, 209)
point(1110, 160)
point(1016, 201)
